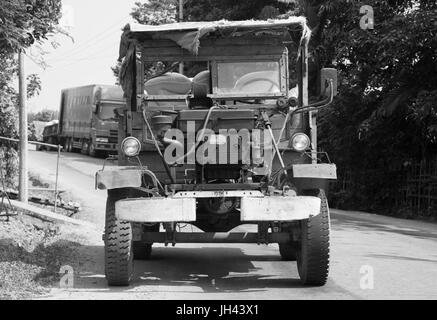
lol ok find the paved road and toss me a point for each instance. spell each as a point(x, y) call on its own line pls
point(400, 254)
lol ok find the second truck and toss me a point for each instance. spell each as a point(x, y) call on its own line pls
point(87, 118)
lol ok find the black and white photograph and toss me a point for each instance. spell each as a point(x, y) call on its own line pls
point(218, 155)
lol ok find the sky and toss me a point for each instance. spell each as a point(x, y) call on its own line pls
point(95, 26)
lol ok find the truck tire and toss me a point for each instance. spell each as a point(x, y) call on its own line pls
point(141, 250)
point(288, 251)
point(84, 149)
point(91, 149)
point(51, 141)
point(313, 252)
point(118, 247)
point(68, 144)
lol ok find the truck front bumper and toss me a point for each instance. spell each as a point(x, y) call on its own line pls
point(182, 207)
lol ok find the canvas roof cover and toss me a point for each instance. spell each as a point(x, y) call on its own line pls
point(188, 35)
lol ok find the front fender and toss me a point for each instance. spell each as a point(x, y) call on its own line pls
point(315, 171)
point(118, 177)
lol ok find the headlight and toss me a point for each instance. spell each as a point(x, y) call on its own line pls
point(300, 142)
point(104, 140)
point(131, 146)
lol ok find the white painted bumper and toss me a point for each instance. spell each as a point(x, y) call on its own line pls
point(156, 210)
point(279, 208)
point(255, 208)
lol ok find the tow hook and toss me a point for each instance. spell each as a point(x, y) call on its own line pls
point(263, 229)
point(170, 232)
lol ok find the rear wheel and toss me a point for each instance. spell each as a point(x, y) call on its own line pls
point(68, 144)
point(85, 145)
point(49, 141)
point(118, 246)
point(91, 149)
point(313, 252)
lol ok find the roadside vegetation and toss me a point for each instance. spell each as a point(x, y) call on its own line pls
point(24, 23)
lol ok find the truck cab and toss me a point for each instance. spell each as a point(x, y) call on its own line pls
point(233, 144)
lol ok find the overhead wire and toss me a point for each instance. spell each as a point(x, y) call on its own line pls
point(94, 40)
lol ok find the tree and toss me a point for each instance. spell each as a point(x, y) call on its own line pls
point(22, 24)
point(210, 10)
point(26, 21)
point(155, 12)
point(382, 117)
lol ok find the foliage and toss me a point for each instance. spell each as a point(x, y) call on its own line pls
point(22, 24)
point(384, 115)
point(155, 12)
point(210, 10)
point(44, 115)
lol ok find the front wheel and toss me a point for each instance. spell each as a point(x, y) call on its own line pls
point(313, 252)
point(118, 246)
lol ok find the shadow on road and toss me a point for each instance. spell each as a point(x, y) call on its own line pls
point(203, 269)
point(211, 269)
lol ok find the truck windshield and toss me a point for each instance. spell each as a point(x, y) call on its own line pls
point(248, 77)
point(106, 111)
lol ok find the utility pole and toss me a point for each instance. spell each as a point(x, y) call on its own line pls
point(23, 190)
point(181, 18)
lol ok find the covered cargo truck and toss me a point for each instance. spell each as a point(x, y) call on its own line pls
point(87, 118)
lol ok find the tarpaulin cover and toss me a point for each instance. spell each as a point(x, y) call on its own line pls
point(188, 34)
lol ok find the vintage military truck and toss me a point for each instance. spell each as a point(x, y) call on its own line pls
point(231, 146)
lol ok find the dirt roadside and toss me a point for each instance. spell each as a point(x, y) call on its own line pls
point(35, 255)
point(32, 253)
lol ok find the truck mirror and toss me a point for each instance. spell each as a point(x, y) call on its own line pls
point(327, 74)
